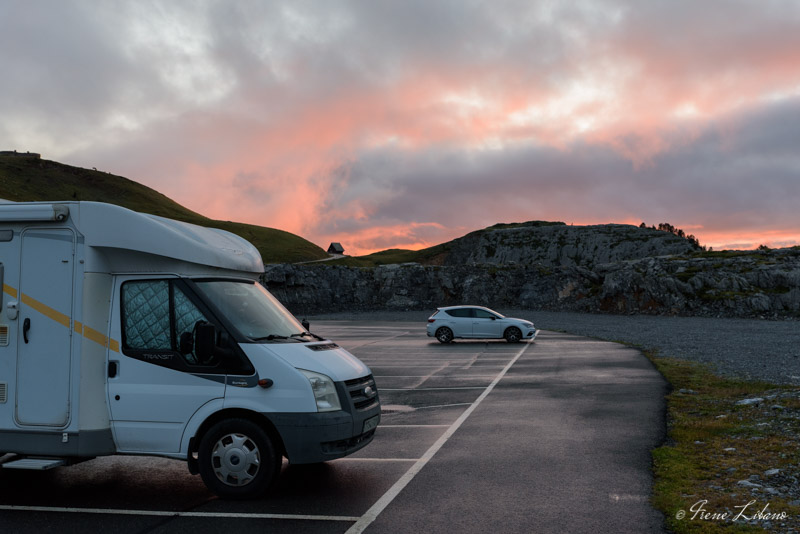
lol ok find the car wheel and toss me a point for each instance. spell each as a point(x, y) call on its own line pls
point(444, 335)
point(513, 334)
point(237, 459)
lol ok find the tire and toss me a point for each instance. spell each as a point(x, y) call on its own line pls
point(237, 459)
point(513, 334)
point(444, 335)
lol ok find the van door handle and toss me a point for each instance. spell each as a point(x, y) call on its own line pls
point(26, 325)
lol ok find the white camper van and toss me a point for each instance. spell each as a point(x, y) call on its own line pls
point(126, 333)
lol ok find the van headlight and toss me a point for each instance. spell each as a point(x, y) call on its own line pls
point(324, 391)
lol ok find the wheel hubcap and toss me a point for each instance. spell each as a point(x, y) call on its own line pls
point(235, 459)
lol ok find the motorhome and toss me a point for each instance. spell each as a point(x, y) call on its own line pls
point(128, 333)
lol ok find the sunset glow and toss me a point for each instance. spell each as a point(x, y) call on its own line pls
point(406, 124)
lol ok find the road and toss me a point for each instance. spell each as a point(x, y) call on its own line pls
point(546, 436)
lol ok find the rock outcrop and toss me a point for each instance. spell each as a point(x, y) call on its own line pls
point(732, 284)
point(610, 268)
point(556, 244)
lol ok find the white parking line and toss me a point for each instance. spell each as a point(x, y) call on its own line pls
point(452, 364)
point(352, 459)
point(412, 426)
point(443, 406)
point(164, 513)
point(433, 376)
point(431, 389)
point(373, 513)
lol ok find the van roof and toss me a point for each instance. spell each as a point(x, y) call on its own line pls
point(110, 226)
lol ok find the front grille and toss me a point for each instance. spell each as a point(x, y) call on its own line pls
point(3, 392)
point(360, 396)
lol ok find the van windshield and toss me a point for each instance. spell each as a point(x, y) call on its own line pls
point(253, 310)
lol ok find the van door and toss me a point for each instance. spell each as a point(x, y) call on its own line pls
point(44, 337)
point(153, 388)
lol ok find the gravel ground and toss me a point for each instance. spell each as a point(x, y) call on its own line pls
point(745, 348)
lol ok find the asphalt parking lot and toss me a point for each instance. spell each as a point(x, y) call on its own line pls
point(476, 436)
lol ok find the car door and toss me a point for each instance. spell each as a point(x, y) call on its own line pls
point(461, 321)
point(486, 324)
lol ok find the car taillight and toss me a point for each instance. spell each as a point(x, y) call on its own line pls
point(431, 320)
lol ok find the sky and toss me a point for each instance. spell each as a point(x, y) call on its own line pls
point(407, 123)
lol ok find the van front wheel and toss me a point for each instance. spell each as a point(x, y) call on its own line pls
point(237, 459)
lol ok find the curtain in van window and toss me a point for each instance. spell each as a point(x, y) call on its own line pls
point(146, 314)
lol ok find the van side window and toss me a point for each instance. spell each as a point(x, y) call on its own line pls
point(155, 313)
point(146, 315)
point(186, 316)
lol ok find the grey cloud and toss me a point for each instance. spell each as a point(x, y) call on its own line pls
point(747, 178)
point(71, 67)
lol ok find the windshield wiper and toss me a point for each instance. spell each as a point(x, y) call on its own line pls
point(270, 337)
point(303, 334)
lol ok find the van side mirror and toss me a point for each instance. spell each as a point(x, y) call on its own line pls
point(205, 340)
point(186, 343)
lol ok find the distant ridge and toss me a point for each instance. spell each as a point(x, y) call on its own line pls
point(26, 178)
point(542, 243)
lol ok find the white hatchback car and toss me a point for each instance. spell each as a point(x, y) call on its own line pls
point(477, 322)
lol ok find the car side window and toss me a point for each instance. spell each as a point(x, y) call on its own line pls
point(483, 314)
point(154, 314)
point(460, 312)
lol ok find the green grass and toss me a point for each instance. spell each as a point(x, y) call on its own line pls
point(28, 179)
point(703, 421)
point(529, 224)
point(428, 256)
point(435, 255)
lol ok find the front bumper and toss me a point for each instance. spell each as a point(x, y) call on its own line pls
point(319, 437)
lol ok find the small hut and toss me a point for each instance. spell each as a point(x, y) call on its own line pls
point(336, 248)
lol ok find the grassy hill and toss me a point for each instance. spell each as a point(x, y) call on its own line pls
point(435, 255)
point(27, 179)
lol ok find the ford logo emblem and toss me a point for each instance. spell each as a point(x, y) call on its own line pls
point(368, 391)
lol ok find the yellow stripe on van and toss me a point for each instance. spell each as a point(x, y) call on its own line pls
point(93, 335)
point(46, 310)
point(89, 333)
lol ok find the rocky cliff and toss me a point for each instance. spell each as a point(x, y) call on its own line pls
point(612, 269)
point(556, 244)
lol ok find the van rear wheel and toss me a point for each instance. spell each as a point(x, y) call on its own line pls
point(237, 459)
